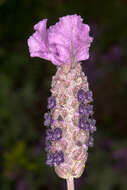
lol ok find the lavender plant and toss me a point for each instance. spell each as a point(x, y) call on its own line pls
point(69, 121)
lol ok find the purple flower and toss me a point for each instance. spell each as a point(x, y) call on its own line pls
point(51, 102)
point(50, 158)
point(92, 129)
point(81, 108)
point(81, 95)
point(89, 96)
point(92, 123)
point(85, 110)
point(58, 157)
point(66, 41)
point(55, 158)
point(57, 134)
point(48, 119)
point(83, 124)
point(90, 109)
point(49, 134)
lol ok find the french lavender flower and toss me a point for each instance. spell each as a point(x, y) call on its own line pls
point(69, 120)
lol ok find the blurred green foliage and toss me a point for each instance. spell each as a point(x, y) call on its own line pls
point(17, 159)
point(25, 84)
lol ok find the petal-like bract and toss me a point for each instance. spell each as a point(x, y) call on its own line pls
point(67, 41)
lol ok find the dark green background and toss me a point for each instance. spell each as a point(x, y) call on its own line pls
point(25, 86)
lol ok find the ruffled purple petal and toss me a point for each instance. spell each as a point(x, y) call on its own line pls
point(65, 42)
point(38, 42)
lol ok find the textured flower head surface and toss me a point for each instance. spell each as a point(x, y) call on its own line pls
point(65, 42)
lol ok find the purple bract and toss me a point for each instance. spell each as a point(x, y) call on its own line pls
point(66, 41)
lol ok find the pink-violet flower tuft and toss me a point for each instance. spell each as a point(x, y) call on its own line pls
point(65, 42)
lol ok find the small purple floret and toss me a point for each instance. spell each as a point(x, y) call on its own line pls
point(93, 129)
point(83, 124)
point(58, 157)
point(90, 109)
point(81, 95)
point(92, 123)
point(50, 158)
point(82, 109)
point(57, 134)
point(51, 102)
point(89, 96)
point(49, 134)
point(48, 119)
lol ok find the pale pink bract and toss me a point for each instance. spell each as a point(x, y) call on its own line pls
point(65, 42)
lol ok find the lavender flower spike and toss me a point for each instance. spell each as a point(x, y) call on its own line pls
point(65, 44)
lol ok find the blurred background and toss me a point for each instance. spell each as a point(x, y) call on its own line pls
point(25, 86)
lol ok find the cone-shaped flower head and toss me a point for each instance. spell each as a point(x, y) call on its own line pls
point(69, 120)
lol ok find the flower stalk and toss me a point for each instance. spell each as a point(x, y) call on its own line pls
point(70, 183)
